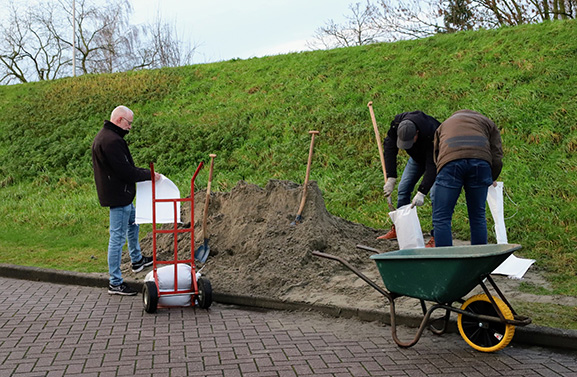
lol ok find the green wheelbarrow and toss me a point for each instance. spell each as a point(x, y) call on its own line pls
point(443, 276)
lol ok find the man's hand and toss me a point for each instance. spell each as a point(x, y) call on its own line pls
point(157, 176)
point(389, 186)
point(418, 200)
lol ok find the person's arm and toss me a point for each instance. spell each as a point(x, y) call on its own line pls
point(496, 152)
point(430, 171)
point(391, 151)
point(436, 148)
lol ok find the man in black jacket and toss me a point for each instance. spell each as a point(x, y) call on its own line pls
point(414, 132)
point(115, 176)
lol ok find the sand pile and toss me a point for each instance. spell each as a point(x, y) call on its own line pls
point(255, 251)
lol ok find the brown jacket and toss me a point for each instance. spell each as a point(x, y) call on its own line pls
point(468, 134)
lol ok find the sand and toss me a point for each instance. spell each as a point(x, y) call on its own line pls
point(255, 251)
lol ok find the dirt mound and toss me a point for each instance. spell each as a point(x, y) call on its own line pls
point(255, 251)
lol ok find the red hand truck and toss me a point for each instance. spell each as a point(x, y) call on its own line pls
point(200, 290)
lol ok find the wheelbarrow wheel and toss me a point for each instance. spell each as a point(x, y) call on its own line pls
point(204, 293)
point(150, 296)
point(485, 336)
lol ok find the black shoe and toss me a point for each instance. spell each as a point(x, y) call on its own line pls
point(121, 289)
point(144, 262)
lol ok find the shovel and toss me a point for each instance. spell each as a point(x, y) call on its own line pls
point(201, 254)
point(299, 218)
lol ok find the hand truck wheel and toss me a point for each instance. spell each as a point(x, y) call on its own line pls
point(204, 293)
point(485, 336)
point(150, 296)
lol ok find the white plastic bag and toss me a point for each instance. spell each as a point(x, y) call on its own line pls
point(166, 284)
point(495, 200)
point(165, 189)
point(408, 227)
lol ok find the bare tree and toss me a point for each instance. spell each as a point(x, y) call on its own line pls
point(408, 18)
point(104, 36)
point(12, 50)
point(358, 29)
point(384, 20)
point(36, 43)
point(457, 16)
point(514, 12)
point(164, 48)
point(401, 19)
point(28, 52)
point(496, 13)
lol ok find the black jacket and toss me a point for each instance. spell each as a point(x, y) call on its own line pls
point(421, 151)
point(115, 174)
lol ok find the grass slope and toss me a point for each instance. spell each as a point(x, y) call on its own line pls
point(255, 115)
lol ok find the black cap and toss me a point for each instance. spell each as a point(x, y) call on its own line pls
point(406, 134)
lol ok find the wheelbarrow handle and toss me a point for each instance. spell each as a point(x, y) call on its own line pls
point(368, 248)
point(355, 271)
point(390, 297)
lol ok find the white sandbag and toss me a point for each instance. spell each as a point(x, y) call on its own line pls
point(514, 267)
point(495, 200)
point(408, 227)
point(165, 189)
point(166, 284)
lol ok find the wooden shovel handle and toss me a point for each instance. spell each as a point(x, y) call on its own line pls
point(381, 154)
point(303, 199)
point(378, 137)
point(205, 214)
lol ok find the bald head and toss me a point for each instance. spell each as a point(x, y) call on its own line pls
point(122, 116)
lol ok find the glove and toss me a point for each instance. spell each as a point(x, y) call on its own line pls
point(389, 186)
point(418, 200)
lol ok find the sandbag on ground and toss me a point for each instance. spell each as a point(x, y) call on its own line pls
point(166, 284)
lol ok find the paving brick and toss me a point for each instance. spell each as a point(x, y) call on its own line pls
point(55, 330)
point(55, 373)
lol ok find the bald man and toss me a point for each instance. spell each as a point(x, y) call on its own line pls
point(115, 176)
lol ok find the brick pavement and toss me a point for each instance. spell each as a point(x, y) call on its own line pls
point(62, 330)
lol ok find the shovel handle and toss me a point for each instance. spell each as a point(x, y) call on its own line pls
point(205, 213)
point(381, 154)
point(378, 137)
point(303, 199)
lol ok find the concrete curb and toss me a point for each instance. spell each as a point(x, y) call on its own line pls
point(528, 335)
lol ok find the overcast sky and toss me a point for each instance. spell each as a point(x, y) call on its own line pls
point(227, 29)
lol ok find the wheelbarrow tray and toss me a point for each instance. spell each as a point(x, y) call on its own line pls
point(440, 274)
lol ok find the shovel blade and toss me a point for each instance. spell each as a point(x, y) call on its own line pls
point(297, 220)
point(201, 254)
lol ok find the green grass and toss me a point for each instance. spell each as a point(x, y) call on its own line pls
point(255, 115)
point(54, 224)
point(547, 314)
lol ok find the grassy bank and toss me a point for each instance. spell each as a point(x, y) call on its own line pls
point(255, 115)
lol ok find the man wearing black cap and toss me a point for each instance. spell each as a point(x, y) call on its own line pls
point(414, 132)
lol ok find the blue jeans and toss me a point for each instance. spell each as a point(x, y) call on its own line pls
point(411, 175)
point(122, 229)
point(475, 176)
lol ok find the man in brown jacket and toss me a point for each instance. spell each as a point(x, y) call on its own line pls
point(468, 154)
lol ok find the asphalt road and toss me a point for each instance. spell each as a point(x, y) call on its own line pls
point(49, 329)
